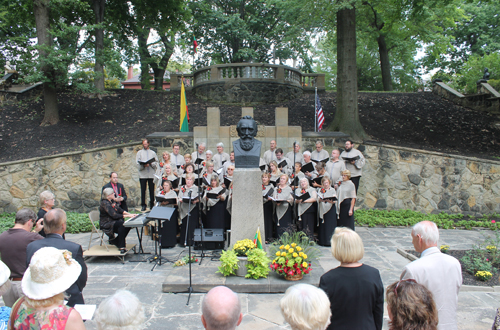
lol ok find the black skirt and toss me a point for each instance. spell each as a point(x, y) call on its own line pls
point(193, 223)
point(215, 216)
point(307, 222)
point(169, 231)
point(285, 223)
point(344, 219)
point(327, 226)
point(268, 221)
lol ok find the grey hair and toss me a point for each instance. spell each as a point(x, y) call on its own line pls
point(220, 144)
point(46, 195)
point(203, 144)
point(24, 215)
point(428, 231)
point(320, 142)
point(209, 152)
point(307, 152)
point(120, 311)
point(305, 306)
point(306, 180)
point(106, 192)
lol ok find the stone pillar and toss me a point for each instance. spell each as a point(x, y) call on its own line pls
point(213, 126)
point(214, 74)
point(247, 212)
point(174, 82)
point(281, 122)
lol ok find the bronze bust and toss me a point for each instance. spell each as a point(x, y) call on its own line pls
point(247, 148)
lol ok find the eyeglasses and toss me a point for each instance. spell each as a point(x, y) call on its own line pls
point(397, 285)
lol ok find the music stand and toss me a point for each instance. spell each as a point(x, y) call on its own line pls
point(160, 214)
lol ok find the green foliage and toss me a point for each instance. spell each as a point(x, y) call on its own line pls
point(228, 263)
point(483, 275)
point(475, 260)
point(258, 264)
point(408, 218)
point(76, 222)
point(300, 238)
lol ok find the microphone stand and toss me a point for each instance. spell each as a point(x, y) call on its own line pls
point(295, 211)
point(200, 220)
point(190, 288)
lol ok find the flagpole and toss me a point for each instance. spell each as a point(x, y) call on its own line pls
point(315, 108)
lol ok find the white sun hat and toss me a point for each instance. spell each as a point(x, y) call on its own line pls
point(4, 273)
point(51, 272)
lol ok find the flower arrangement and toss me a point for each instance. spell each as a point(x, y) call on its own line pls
point(241, 248)
point(444, 248)
point(293, 254)
point(483, 275)
point(184, 261)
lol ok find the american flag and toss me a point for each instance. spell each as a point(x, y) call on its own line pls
point(319, 114)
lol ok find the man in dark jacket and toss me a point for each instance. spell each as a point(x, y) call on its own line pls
point(119, 189)
point(55, 225)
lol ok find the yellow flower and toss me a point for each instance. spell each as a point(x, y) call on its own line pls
point(304, 264)
point(295, 255)
point(304, 256)
point(282, 247)
point(294, 245)
point(283, 254)
point(300, 253)
point(290, 250)
point(299, 248)
point(287, 247)
point(278, 253)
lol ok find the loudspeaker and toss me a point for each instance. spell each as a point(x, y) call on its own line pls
point(213, 239)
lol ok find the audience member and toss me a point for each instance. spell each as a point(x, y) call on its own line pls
point(221, 309)
point(355, 290)
point(305, 307)
point(47, 201)
point(50, 273)
point(13, 243)
point(55, 226)
point(440, 273)
point(120, 311)
point(410, 306)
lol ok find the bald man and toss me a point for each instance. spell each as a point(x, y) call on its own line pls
point(221, 309)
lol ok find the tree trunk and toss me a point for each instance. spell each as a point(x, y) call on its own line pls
point(42, 20)
point(385, 64)
point(159, 69)
point(346, 116)
point(99, 45)
point(158, 73)
point(142, 38)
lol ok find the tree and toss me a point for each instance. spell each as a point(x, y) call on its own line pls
point(232, 31)
point(98, 7)
point(347, 113)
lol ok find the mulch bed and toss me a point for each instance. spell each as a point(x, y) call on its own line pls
point(469, 279)
point(417, 120)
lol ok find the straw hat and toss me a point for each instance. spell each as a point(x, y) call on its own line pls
point(4, 273)
point(51, 272)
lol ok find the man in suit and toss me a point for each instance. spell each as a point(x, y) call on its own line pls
point(55, 225)
point(438, 272)
point(119, 189)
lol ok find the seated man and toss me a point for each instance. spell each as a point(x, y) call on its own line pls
point(221, 309)
point(120, 194)
point(55, 226)
point(13, 243)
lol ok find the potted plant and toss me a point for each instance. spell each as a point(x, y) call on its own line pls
point(241, 248)
point(293, 253)
point(244, 259)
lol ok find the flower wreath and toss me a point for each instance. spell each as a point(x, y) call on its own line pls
point(183, 189)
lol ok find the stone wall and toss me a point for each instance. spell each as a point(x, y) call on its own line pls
point(393, 178)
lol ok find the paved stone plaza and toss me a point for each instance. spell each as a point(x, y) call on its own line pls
point(261, 311)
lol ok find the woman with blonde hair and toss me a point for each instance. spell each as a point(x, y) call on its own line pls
point(305, 307)
point(50, 273)
point(411, 306)
point(355, 290)
point(346, 199)
point(275, 173)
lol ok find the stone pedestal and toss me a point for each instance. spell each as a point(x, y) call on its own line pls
point(247, 211)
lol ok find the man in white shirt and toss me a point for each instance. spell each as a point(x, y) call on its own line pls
point(319, 154)
point(270, 154)
point(221, 157)
point(440, 273)
point(200, 154)
point(354, 162)
point(176, 158)
point(287, 168)
point(147, 173)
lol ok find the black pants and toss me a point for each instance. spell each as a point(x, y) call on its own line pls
point(151, 187)
point(355, 180)
point(122, 232)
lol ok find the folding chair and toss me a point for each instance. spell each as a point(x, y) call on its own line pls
point(94, 216)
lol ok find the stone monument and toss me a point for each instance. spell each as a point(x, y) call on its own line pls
point(247, 211)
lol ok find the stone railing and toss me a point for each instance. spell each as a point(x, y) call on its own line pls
point(252, 71)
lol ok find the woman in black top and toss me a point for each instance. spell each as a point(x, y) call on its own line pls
point(111, 220)
point(47, 201)
point(355, 290)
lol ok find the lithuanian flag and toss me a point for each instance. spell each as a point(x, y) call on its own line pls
point(258, 240)
point(184, 126)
